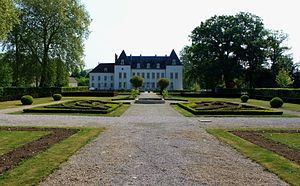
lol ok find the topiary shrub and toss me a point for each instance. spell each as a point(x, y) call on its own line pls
point(27, 100)
point(57, 97)
point(276, 102)
point(244, 98)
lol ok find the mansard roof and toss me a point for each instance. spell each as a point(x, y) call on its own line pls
point(144, 60)
point(104, 68)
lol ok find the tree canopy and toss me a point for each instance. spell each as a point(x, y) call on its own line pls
point(50, 33)
point(163, 83)
point(229, 48)
point(136, 81)
point(8, 17)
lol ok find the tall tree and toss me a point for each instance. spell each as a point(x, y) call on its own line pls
point(53, 30)
point(8, 17)
point(228, 48)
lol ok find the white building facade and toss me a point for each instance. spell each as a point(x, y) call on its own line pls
point(116, 76)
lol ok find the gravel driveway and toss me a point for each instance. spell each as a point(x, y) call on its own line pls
point(154, 145)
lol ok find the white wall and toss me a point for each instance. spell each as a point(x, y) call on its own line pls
point(97, 80)
point(177, 82)
point(149, 82)
point(123, 69)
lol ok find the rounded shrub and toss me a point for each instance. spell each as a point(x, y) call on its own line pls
point(276, 102)
point(57, 97)
point(27, 100)
point(244, 98)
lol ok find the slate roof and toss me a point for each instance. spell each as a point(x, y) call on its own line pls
point(104, 68)
point(144, 60)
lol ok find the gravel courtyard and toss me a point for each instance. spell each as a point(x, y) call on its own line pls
point(154, 145)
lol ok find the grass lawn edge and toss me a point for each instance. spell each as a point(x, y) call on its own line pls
point(283, 168)
point(36, 169)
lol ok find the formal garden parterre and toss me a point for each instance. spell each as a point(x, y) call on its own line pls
point(29, 154)
point(277, 150)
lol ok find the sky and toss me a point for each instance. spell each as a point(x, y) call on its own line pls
point(155, 27)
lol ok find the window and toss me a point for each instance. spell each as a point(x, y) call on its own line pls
point(99, 78)
point(105, 78)
point(124, 84)
point(92, 78)
point(112, 85)
point(148, 65)
point(138, 65)
point(120, 85)
point(153, 85)
point(157, 65)
point(171, 75)
point(174, 62)
point(138, 74)
point(143, 75)
point(92, 84)
point(122, 61)
point(111, 78)
point(172, 85)
point(157, 75)
point(133, 74)
point(120, 75)
point(176, 75)
point(148, 75)
point(162, 75)
point(125, 76)
point(105, 85)
point(153, 75)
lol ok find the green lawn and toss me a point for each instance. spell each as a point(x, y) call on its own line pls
point(291, 140)
point(36, 101)
point(10, 140)
point(262, 103)
point(284, 168)
point(17, 103)
point(34, 170)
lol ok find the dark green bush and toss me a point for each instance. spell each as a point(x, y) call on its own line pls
point(27, 100)
point(57, 97)
point(244, 98)
point(276, 102)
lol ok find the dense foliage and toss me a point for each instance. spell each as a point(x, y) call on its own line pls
point(136, 81)
point(57, 97)
point(163, 83)
point(235, 51)
point(47, 43)
point(276, 102)
point(8, 17)
point(244, 98)
point(27, 100)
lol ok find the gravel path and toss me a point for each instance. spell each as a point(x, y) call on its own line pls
point(154, 145)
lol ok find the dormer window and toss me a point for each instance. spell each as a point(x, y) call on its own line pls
point(148, 65)
point(105, 69)
point(174, 62)
point(157, 65)
point(122, 61)
point(138, 65)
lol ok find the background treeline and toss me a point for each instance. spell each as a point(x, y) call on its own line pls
point(237, 51)
point(43, 44)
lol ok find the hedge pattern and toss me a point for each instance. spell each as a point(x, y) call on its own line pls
point(229, 112)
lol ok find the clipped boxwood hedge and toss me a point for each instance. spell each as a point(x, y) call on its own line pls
point(57, 97)
point(276, 102)
point(59, 108)
point(262, 111)
point(27, 100)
